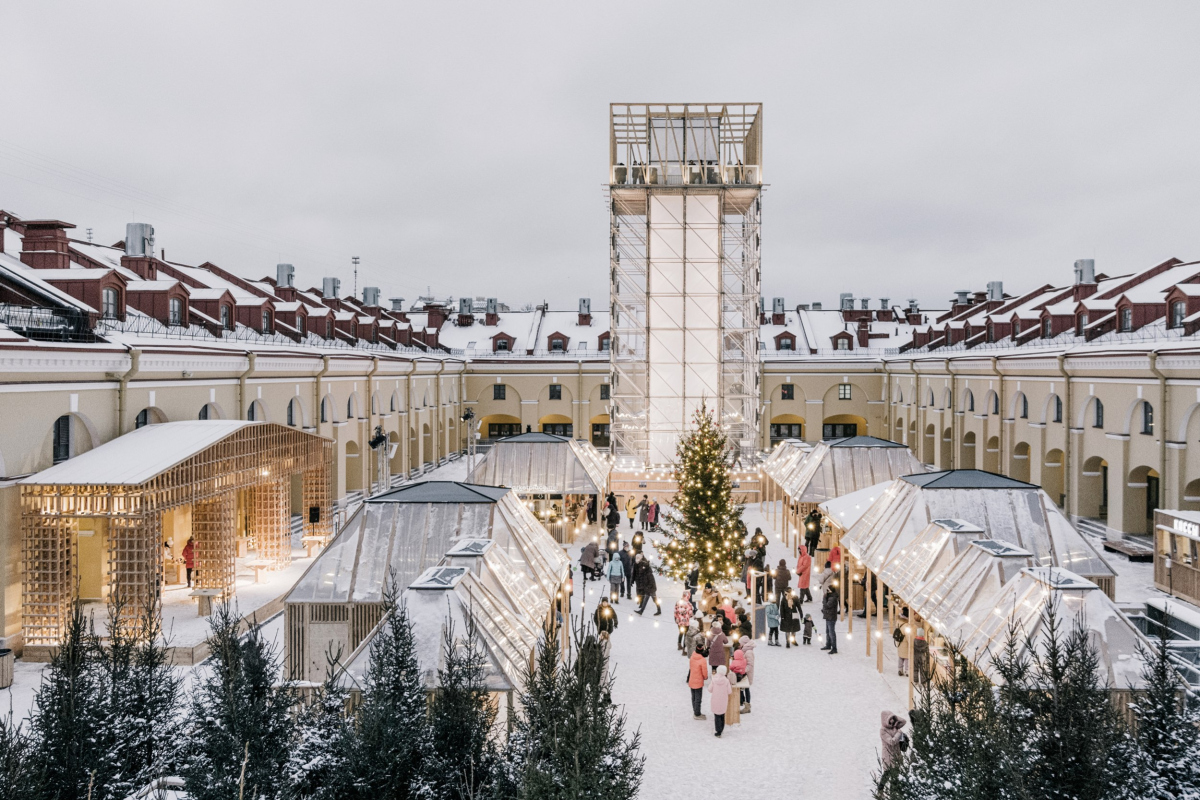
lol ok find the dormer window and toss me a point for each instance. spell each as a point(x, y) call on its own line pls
point(109, 303)
point(328, 328)
point(842, 344)
point(1126, 319)
point(1047, 328)
point(557, 345)
point(1081, 323)
point(226, 318)
point(302, 325)
point(1178, 309)
point(502, 345)
point(175, 312)
point(266, 320)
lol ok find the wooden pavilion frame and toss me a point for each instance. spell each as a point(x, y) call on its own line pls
point(261, 457)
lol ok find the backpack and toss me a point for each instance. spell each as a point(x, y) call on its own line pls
point(898, 636)
point(903, 742)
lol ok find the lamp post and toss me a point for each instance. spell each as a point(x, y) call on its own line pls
point(466, 417)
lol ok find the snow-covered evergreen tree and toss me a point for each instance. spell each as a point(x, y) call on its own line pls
point(66, 726)
point(703, 525)
point(386, 757)
point(17, 776)
point(462, 761)
point(1167, 730)
point(238, 730)
point(316, 768)
point(140, 701)
point(570, 740)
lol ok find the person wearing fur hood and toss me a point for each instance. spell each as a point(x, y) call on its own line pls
point(893, 737)
point(720, 688)
point(748, 644)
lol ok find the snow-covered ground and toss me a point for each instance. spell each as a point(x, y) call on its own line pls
point(814, 728)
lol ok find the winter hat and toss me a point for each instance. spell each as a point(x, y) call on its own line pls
point(721, 670)
point(783, 563)
point(920, 633)
point(693, 624)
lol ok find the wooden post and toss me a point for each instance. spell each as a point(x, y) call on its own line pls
point(908, 638)
point(869, 607)
point(879, 626)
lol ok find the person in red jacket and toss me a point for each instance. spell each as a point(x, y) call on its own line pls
point(804, 575)
point(697, 675)
point(189, 559)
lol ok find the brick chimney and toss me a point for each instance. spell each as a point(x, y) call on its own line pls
point(437, 316)
point(46, 245)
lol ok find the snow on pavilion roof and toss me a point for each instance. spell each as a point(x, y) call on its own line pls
point(139, 455)
point(1023, 600)
point(841, 466)
point(966, 589)
point(539, 463)
point(387, 536)
point(506, 635)
point(846, 510)
point(1020, 514)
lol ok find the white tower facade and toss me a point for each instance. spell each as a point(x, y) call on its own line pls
point(685, 186)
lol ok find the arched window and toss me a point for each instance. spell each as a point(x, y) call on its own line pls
point(204, 412)
point(302, 324)
point(266, 320)
point(1081, 323)
point(970, 404)
point(1024, 407)
point(251, 413)
point(143, 418)
point(109, 300)
point(62, 438)
point(1098, 414)
point(326, 410)
point(1147, 419)
point(226, 318)
point(392, 406)
point(175, 312)
point(350, 408)
point(1177, 312)
point(291, 414)
point(1126, 319)
point(995, 409)
point(1057, 409)
point(1047, 327)
point(328, 328)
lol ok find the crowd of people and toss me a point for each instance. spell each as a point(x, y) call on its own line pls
point(715, 631)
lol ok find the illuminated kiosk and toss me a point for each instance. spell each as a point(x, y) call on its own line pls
point(684, 195)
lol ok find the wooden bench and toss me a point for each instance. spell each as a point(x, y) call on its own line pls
point(258, 566)
point(205, 598)
point(1135, 550)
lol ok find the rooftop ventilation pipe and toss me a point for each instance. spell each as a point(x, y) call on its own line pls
point(285, 275)
point(370, 296)
point(331, 287)
point(866, 303)
point(846, 301)
point(961, 296)
point(885, 303)
point(1085, 270)
point(139, 240)
point(995, 291)
point(397, 303)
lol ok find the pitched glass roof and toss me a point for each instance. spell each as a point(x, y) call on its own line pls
point(862, 441)
point(441, 492)
point(965, 479)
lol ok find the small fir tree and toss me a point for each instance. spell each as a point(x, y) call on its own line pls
point(462, 761)
point(385, 759)
point(570, 740)
point(1167, 720)
point(238, 729)
point(704, 525)
point(316, 768)
point(140, 697)
point(66, 727)
point(18, 775)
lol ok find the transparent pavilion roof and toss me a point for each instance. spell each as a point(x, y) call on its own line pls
point(387, 536)
point(1023, 599)
point(840, 466)
point(967, 589)
point(932, 551)
point(506, 636)
point(539, 463)
point(1021, 515)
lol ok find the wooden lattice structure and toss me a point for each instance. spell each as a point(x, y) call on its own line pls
point(131, 481)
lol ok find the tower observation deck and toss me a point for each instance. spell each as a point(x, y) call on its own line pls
point(684, 190)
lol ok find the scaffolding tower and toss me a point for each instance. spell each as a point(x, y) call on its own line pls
point(685, 199)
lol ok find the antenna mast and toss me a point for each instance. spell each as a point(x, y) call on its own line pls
point(354, 259)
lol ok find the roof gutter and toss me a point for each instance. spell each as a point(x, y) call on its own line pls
point(1166, 417)
point(316, 410)
point(251, 358)
point(135, 363)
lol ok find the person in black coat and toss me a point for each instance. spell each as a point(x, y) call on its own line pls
point(829, 610)
point(812, 531)
point(627, 566)
point(612, 517)
point(790, 615)
point(605, 616)
point(647, 587)
point(783, 579)
point(692, 583)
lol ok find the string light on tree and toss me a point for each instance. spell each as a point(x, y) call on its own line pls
point(704, 514)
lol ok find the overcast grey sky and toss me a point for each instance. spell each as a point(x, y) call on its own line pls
point(910, 148)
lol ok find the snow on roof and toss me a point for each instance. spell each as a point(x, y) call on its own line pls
point(846, 510)
point(1154, 288)
point(151, 286)
point(214, 281)
point(1023, 601)
point(1019, 513)
point(830, 470)
point(22, 274)
point(73, 274)
point(529, 329)
point(536, 463)
point(388, 540)
point(139, 455)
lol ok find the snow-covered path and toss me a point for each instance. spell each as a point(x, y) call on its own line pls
point(814, 729)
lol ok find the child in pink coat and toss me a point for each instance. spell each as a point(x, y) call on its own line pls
point(720, 688)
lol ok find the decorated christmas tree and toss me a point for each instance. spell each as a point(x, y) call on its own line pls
point(703, 527)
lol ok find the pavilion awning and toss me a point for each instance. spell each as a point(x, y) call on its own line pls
point(541, 463)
